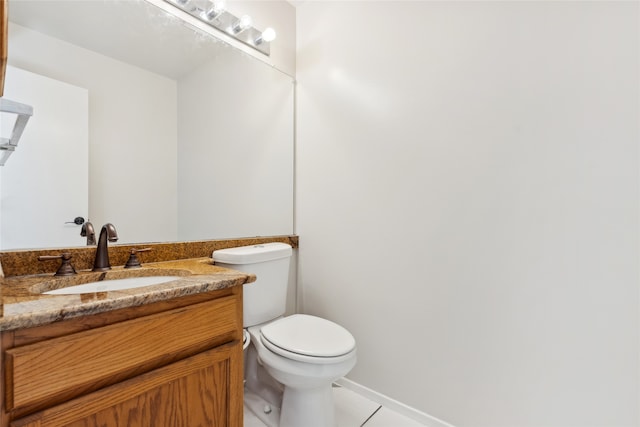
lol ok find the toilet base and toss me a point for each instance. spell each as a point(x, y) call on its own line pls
point(306, 408)
point(266, 412)
point(309, 407)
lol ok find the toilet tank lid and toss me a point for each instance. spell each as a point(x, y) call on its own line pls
point(252, 254)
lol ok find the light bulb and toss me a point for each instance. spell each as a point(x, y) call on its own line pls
point(242, 24)
point(216, 9)
point(267, 35)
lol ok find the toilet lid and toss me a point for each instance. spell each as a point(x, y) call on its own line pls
point(309, 336)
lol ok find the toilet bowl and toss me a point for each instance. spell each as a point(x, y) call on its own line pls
point(246, 339)
point(305, 354)
point(290, 361)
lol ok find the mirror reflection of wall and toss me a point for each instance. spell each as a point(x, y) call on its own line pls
point(199, 147)
point(235, 150)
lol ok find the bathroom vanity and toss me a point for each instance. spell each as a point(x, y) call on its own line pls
point(167, 364)
point(163, 355)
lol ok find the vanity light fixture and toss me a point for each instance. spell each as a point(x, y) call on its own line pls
point(214, 13)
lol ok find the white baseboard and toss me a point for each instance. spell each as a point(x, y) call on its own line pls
point(394, 405)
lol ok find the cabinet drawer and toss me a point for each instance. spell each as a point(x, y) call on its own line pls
point(58, 369)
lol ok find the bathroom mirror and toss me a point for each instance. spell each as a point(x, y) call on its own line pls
point(187, 138)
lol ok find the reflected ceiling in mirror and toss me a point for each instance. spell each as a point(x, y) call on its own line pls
point(135, 32)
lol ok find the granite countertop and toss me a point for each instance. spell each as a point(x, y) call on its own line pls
point(24, 305)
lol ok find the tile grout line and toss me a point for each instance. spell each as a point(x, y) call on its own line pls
point(371, 416)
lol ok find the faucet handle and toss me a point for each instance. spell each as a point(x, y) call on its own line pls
point(66, 269)
point(133, 261)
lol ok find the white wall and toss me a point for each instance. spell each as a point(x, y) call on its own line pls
point(467, 201)
point(132, 121)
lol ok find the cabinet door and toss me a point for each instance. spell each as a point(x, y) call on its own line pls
point(201, 391)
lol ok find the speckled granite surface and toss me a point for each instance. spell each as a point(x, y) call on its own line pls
point(25, 262)
point(23, 305)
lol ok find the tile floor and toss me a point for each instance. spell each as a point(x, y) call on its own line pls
point(353, 410)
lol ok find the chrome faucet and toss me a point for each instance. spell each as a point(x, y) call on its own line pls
point(101, 262)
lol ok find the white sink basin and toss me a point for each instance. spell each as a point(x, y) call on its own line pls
point(113, 285)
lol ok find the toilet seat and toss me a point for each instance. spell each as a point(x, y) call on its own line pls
point(308, 339)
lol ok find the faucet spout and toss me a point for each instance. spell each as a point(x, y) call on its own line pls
point(101, 262)
point(88, 232)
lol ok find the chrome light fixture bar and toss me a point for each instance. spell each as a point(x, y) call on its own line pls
point(214, 14)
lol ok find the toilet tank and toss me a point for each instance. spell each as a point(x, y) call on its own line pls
point(266, 298)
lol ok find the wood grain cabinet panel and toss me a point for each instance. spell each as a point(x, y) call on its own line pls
point(71, 365)
point(190, 393)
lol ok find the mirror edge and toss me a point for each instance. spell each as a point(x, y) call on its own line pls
point(4, 28)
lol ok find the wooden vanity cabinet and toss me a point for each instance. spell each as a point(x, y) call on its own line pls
point(175, 363)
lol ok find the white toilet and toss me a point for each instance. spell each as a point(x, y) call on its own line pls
point(301, 354)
